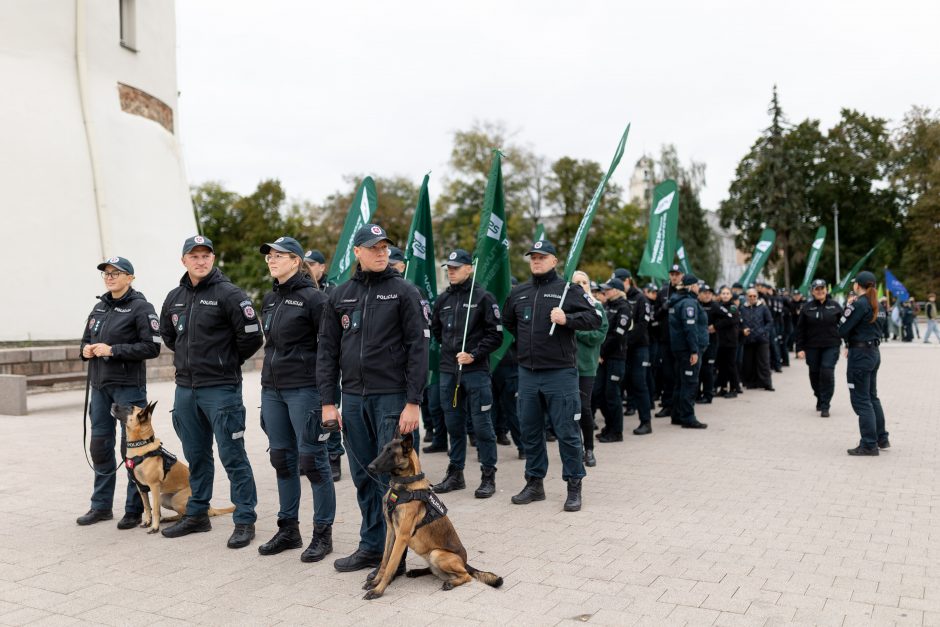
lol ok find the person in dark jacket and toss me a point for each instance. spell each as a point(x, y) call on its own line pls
point(668, 371)
point(476, 311)
point(121, 333)
point(858, 326)
point(639, 363)
point(688, 334)
point(212, 327)
point(817, 341)
point(290, 402)
point(706, 299)
point(548, 374)
point(375, 332)
point(589, 350)
point(758, 329)
point(613, 359)
point(727, 323)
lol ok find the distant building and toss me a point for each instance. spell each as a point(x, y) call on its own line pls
point(90, 162)
point(731, 262)
point(641, 185)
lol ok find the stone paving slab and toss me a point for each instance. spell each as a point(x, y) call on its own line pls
point(760, 520)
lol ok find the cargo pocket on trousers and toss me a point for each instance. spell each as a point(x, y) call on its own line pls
point(313, 429)
point(573, 405)
point(176, 422)
point(233, 421)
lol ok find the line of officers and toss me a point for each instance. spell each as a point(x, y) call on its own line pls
point(354, 358)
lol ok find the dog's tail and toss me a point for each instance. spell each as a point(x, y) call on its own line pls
point(221, 511)
point(482, 576)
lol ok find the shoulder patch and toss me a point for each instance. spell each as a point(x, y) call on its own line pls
point(244, 303)
point(690, 312)
point(496, 311)
point(848, 310)
point(587, 297)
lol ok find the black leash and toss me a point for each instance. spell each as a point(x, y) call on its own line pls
point(85, 433)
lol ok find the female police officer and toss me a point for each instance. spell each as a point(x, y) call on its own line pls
point(290, 402)
point(122, 332)
point(859, 327)
point(817, 340)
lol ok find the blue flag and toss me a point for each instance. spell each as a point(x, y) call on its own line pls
point(896, 287)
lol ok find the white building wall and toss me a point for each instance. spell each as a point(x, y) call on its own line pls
point(52, 236)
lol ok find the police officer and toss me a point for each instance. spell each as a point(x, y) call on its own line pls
point(688, 333)
point(817, 341)
point(396, 259)
point(728, 326)
point(505, 396)
point(858, 326)
point(668, 365)
point(212, 327)
point(589, 351)
point(548, 374)
point(121, 333)
point(758, 328)
point(638, 356)
point(612, 369)
point(375, 331)
point(475, 310)
point(652, 383)
point(706, 299)
point(290, 402)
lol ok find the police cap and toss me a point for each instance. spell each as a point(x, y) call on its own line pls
point(865, 279)
point(197, 240)
point(283, 245)
point(395, 255)
point(369, 235)
point(458, 257)
point(314, 256)
point(675, 268)
point(543, 247)
point(689, 279)
point(122, 264)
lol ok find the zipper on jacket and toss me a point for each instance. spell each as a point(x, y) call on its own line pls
point(538, 293)
point(362, 333)
point(271, 338)
point(189, 337)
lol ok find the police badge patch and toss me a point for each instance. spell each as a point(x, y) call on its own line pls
point(345, 321)
point(175, 318)
point(426, 310)
point(496, 311)
point(249, 312)
point(690, 312)
point(154, 325)
point(91, 324)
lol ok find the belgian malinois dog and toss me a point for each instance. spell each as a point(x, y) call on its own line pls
point(416, 518)
point(164, 476)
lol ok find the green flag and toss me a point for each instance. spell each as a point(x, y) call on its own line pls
point(420, 268)
point(812, 260)
point(663, 231)
point(577, 244)
point(539, 232)
point(683, 260)
point(492, 250)
point(846, 281)
point(360, 212)
point(759, 257)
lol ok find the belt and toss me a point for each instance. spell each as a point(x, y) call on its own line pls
point(868, 344)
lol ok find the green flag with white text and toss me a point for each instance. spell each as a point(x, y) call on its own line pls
point(683, 259)
point(846, 281)
point(663, 231)
point(577, 244)
point(360, 212)
point(539, 232)
point(759, 257)
point(812, 260)
point(420, 268)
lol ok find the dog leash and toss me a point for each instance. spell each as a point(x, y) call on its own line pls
point(85, 433)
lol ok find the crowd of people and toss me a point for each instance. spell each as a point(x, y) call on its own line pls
point(346, 370)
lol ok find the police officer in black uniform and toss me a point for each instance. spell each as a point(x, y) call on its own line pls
point(375, 332)
point(706, 299)
point(638, 356)
point(858, 326)
point(688, 332)
point(212, 327)
point(396, 259)
point(548, 373)
point(817, 340)
point(121, 333)
point(668, 365)
point(612, 369)
point(456, 309)
point(728, 325)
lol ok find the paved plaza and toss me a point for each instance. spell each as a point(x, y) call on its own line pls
point(762, 519)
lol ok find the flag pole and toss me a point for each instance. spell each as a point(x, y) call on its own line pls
point(466, 327)
point(564, 295)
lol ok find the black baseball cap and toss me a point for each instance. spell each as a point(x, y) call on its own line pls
point(613, 283)
point(283, 245)
point(652, 287)
point(369, 235)
point(543, 247)
point(314, 255)
point(689, 280)
point(595, 287)
point(705, 287)
point(459, 257)
point(738, 285)
point(395, 255)
point(675, 268)
point(865, 279)
point(622, 273)
point(122, 264)
point(818, 283)
point(197, 240)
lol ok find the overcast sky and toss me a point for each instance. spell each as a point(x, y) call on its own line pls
point(309, 91)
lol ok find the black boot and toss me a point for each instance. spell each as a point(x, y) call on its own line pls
point(502, 439)
point(610, 437)
point(533, 491)
point(336, 468)
point(321, 544)
point(643, 429)
point(94, 515)
point(487, 484)
point(357, 561)
point(573, 503)
point(663, 413)
point(434, 449)
point(589, 460)
point(287, 537)
point(453, 480)
point(862, 450)
point(243, 535)
point(884, 443)
point(188, 525)
point(129, 521)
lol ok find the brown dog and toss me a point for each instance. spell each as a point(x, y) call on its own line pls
point(158, 471)
point(416, 518)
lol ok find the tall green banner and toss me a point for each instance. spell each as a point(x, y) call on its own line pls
point(759, 257)
point(492, 250)
point(577, 244)
point(663, 231)
point(683, 259)
point(846, 281)
point(812, 260)
point(360, 212)
point(420, 268)
point(539, 232)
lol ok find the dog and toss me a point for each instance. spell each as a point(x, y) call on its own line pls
point(416, 518)
point(155, 470)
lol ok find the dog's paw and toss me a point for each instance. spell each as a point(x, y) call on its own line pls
point(371, 594)
point(145, 524)
point(157, 530)
point(369, 585)
point(447, 586)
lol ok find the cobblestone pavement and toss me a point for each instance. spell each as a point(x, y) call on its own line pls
point(762, 519)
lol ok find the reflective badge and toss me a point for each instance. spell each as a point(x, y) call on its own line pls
point(345, 321)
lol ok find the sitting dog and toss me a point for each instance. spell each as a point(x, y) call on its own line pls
point(155, 470)
point(416, 518)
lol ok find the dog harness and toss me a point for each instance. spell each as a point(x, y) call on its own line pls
point(397, 495)
point(132, 462)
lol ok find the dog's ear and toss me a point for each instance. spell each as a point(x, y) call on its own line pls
point(407, 443)
point(397, 434)
point(146, 414)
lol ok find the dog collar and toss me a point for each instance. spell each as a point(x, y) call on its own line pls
point(407, 480)
point(139, 443)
